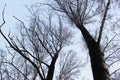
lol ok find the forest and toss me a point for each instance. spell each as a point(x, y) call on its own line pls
point(59, 39)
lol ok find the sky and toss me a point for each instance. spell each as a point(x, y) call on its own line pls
point(17, 8)
point(13, 8)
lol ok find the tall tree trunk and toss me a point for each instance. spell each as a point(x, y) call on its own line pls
point(52, 68)
point(99, 69)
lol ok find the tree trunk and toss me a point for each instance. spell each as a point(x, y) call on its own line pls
point(99, 69)
point(52, 68)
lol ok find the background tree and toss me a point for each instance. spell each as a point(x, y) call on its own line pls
point(111, 49)
point(104, 32)
point(39, 46)
point(68, 66)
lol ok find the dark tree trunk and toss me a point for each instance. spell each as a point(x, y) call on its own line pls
point(99, 69)
point(52, 68)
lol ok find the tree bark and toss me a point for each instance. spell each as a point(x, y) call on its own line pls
point(52, 68)
point(99, 69)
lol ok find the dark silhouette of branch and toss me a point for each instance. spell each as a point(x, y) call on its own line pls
point(103, 21)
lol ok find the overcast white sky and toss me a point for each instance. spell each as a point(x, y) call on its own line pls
point(17, 8)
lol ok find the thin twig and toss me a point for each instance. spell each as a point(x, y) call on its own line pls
point(3, 17)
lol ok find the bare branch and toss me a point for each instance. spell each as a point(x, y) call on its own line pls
point(115, 71)
point(3, 13)
point(15, 47)
point(103, 21)
point(112, 53)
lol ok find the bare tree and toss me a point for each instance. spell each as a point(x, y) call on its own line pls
point(82, 12)
point(68, 66)
point(39, 45)
point(111, 49)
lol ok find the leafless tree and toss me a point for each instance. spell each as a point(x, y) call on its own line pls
point(82, 13)
point(39, 46)
point(111, 50)
point(68, 66)
point(41, 43)
point(15, 67)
